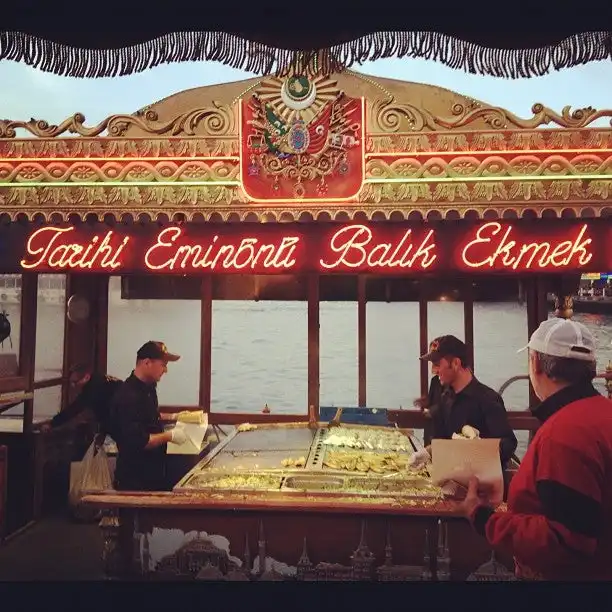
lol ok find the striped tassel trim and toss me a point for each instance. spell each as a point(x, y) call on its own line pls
point(262, 59)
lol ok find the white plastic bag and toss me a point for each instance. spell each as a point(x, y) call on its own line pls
point(90, 474)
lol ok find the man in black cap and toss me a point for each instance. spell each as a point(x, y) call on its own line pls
point(96, 393)
point(474, 404)
point(138, 430)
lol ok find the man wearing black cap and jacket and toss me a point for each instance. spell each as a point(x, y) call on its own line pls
point(137, 427)
point(474, 403)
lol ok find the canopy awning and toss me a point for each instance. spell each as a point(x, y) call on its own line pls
point(103, 51)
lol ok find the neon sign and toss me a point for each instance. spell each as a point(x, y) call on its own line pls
point(376, 248)
point(170, 253)
point(494, 247)
point(45, 245)
point(354, 246)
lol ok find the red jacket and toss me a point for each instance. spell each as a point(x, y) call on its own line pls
point(558, 524)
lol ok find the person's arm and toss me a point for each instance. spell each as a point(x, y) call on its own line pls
point(496, 421)
point(569, 486)
point(159, 439)
point(73, 410)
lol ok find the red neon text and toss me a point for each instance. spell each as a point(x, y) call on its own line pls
point(502, 251)
point(46, 248)
point(166, 254)
point(354, 246)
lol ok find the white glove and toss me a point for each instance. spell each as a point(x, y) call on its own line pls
point(178, 436)
point(419, 459)
point(470, 432)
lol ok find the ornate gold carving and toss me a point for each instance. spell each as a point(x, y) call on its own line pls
point(464, 166)
point(118, 147)
point(181, 171)
point(218, 120)
point(390, 116)
point(119, 200)
point(537, 192)
point(476, 140)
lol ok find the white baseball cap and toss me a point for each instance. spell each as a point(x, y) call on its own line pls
point(563, 338)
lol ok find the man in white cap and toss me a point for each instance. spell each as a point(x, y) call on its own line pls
point(558, 524)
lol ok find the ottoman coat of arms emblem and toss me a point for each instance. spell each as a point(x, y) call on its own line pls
point(301, 139)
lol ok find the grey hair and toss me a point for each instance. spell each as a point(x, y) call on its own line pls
point(572, 371)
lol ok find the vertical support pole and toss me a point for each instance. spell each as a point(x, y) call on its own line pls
point(27, 364)
point(100, 316)
point(468, 321)
point(423, 346)
point(537, 311)
point(361, 340)
point(313, 347)
point(66, 353)
point(423, 340)
point(205, 392)
point(27, 341)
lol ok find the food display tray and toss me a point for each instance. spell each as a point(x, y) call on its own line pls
point(337, 484)
point(229, 461)
point(319, 452)
point(307, 484)
point(287, 439)
point(245, 461)
point(222, 483)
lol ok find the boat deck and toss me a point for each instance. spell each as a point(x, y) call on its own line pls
point(56, 548)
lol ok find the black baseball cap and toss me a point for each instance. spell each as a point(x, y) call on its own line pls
point(446, 346)
point(155, 350)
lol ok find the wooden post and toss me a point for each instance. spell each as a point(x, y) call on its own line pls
point(361, 340)
point(205, 393)
point(27, 341)
point(100, 317)
point(313, 346)
point(468, 322)
point(423, 340)
point(537, 312)
point(423, 347)
point(66, 352)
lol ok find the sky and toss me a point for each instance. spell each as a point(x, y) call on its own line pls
point(30, 93)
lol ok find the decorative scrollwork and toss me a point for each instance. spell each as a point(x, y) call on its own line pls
point(390, 116)
point(216, 121)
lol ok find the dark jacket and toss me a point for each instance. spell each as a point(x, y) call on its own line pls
point(481, 407)
point(558, 524)
point(438, 397)
point(135, 417)
point(96, 394)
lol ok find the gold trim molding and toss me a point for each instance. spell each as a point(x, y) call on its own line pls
point(385, 116)
point(216, 121)
point(378, 202)
point(389, 116)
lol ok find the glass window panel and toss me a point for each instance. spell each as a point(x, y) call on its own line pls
point(15, 411)
point(50, 323)
point(47, 403)
point(131, 323)
point(444, 318)
point(338, 354)
point(392, 352)
point(10, 317)
point(259, 357)
point(500, 330)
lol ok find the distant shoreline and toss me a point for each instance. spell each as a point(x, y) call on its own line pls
point(590, 305)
